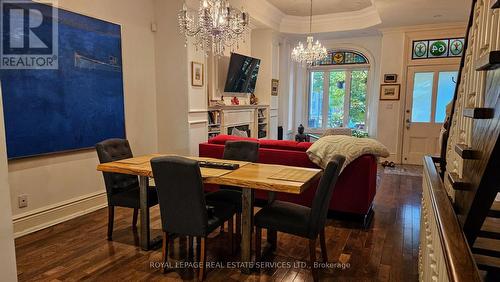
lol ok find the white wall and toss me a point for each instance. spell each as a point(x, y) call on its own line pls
point(262, 48)
point(285, 88)
point(61, 179)
point(172, 100)
point(7, 255)
point(266, 46)
point(392, 59)
point(198, 101)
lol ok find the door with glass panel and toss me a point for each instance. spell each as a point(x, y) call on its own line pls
point(429, 91)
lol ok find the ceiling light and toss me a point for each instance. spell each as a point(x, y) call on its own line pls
point(217, 26)
point(312, 52)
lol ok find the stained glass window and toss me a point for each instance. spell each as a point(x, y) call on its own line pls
point(342, 57)
point(439, 48)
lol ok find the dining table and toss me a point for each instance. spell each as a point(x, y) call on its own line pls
point(248, 176)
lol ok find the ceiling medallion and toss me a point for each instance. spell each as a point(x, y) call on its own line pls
point(313, 52)
point(216, 27)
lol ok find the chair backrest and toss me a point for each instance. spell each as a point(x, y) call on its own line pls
point(114, 150)
point(323, 196)
point(241, 151)
point(180, 195)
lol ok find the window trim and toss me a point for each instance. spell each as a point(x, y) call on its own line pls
point(348, 68)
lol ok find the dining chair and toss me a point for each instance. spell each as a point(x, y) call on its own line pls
point(237, 151)
point(122, 190)
point(300, 220)
point(183, 208)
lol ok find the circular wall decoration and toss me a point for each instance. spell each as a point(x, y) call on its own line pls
point(420, 50)
point(456, 47)
point(438, 48)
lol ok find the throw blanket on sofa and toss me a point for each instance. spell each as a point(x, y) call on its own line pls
point(323, 150)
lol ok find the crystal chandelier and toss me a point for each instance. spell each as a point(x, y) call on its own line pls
point(313, 52)
point(218, 26)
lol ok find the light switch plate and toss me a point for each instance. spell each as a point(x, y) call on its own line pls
point(22, 201)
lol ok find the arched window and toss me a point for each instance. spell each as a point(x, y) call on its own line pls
point(338, 89)
point(342, 57)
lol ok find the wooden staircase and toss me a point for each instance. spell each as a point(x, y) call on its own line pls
point(486, 248)
point(471, 162)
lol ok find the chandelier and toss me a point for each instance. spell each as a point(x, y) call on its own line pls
point(312, 52)
point(217, 26)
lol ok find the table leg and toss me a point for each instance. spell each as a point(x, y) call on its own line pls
point(144, 186)
point(246, 227)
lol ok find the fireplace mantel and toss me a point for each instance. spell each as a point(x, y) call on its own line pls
point(255, 117)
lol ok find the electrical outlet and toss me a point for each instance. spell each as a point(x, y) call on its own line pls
point(22, 201)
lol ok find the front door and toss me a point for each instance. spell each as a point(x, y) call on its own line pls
point(430, 89)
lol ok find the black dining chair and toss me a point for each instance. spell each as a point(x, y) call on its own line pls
point(122, 190)
point(300, 220)
point(183, 208)
point(237, 151)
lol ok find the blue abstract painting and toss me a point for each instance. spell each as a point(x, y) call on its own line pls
point(75, 106)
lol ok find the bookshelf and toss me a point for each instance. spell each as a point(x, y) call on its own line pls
point(214, 123)
point(262, 122)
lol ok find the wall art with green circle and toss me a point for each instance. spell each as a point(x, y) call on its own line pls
point(438, 48)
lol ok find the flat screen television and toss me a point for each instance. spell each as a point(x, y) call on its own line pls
point(242, 74)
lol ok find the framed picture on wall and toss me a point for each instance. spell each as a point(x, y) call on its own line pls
point(274, 87)
point(196, 74)
point(389, 92)
point(390, 78)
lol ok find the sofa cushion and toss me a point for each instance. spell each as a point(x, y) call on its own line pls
point(221, 139)
point(304, 146)
point(281, 145)
point(265, 143)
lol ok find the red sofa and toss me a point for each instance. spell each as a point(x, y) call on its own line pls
point(353, 193)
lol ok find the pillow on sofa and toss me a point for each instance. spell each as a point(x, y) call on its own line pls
point(239, 133)
point(323, 150)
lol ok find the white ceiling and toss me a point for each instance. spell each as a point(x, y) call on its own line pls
point(395, 13)
point(339, 18)
point(392, 13)
point(320, 7)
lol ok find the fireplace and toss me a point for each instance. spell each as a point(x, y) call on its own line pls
point(245, 128)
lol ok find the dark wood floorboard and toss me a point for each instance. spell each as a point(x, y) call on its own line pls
point(386, 251)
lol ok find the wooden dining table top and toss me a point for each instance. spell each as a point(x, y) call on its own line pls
point(267, 177)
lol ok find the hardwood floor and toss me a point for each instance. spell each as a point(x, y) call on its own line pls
point(386, 251)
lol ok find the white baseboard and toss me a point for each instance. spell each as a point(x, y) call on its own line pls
point(38, 219)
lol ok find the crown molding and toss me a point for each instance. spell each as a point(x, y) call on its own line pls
point(265, 15)
point(355, 20)
point(425, 27)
